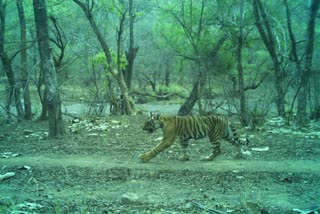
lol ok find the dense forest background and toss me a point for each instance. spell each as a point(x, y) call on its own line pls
point(251, 58)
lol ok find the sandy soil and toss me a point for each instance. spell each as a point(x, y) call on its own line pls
point(95, 169)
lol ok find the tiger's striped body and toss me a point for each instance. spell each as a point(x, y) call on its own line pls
point(190, 127)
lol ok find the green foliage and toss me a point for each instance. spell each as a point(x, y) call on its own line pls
point(100, 59)
point(115, 7)
point(173, 36)
point(224, 62)
point(171, 89)
point(118, 8)
point(186, 28)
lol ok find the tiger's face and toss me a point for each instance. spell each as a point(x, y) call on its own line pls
point(150, 125)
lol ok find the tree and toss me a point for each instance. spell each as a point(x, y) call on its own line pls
point(128, 103)
point(59, 41)
point(132, 51)
point(56, 124)
point(245, 120)
point(265, 30)
point(188, 32)
point(14, 89)
point(302, 117)
point(24, 71)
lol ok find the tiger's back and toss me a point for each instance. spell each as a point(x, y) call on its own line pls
point(196, 127)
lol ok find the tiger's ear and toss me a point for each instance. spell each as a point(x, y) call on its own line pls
point(151, 115)
point(158, 116)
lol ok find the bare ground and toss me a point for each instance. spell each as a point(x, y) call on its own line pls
point(95, 169)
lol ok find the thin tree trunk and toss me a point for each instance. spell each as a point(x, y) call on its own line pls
point(41, 88)
point(42, 92)
point(167, 76)
point(279, 79)
point(56, 124)
point(187, 106)
point(302, 117)
point(316, 94)
point(14, 89)
point(245, 120)
point(24, 71)
point(132, 52)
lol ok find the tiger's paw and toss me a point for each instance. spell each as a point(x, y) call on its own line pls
point(183, 158)
point(145, 157)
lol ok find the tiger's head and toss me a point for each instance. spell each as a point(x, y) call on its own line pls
point(152, 123)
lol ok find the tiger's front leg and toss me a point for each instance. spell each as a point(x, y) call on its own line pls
point(148, 155)
point(167, 142)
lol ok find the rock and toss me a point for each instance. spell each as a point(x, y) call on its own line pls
point(76, 120)
point(130, 198)
point(7, 175)
point(188, 205)
point(9, 155)
point(25, 167)
point(27, 131)
point(260, 149)
point(115, 122)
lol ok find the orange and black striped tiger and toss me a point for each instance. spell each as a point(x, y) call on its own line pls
point(216, 127)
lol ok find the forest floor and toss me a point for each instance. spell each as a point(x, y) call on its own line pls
point(95, 169)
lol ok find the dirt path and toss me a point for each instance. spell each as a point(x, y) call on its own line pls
point(122, 186)
point(101, 162)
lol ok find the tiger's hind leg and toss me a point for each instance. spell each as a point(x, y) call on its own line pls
point(232, 137)
point(215, 145)
point(184, 156)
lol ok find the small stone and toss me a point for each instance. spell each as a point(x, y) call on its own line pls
point(27, 131)
point(130, 198)
point(115, 122)
point(188, 205)
point(7, 175)
point(76, 120)
point(24, 167)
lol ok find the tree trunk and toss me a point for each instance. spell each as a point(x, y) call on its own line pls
point(56, 124)
point(302, 117)
point(187, 106)
point(279, 79)
point(14, 89)
point(294, 51)
point(132, 52)
point(196, 91)
point(24, 71)
point(167, 76)
point(42, 92)
point(131, 55)
point(128, 103)
point(316, 94)
point(244, 117)
point(267, 36)
point(41, 88)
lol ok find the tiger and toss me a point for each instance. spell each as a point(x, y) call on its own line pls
point(216, 127)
